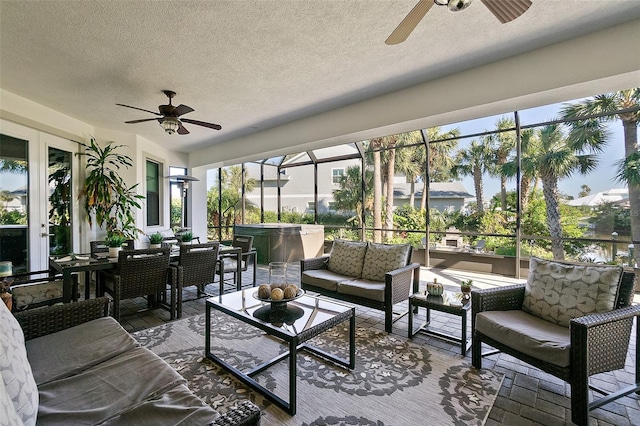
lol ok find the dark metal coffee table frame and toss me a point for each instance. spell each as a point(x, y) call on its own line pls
point(436, 303)
point(295, 342)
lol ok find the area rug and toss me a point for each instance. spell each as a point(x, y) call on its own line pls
point(395, 382)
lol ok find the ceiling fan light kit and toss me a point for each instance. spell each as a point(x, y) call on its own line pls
point(170, 125)
point(168, 116)
point(504, 10)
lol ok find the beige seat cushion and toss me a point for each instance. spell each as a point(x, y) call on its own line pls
point(529, 334)
point(559, 291)
point(76, 349)
point(107, 389)
point(383, 258)
point(347, 258)
point(322, 278)
point(368, 289)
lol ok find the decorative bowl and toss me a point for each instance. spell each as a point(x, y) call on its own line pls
point(268, 299)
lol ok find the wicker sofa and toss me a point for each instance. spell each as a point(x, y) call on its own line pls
point(72, 364)
point(374, 275)
point(569, 320)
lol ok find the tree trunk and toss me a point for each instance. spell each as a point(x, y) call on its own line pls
point(391, 165)
point(377, 198)
point(503, 192)
point(550, 191)
point(477, 185)
point(423, 200)
point(525, 187)
point(412, 196)
point(631, 147)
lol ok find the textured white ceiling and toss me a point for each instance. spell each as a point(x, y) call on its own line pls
point(252, 65)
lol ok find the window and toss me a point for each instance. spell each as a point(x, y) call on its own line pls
point(311, 207)
point(332, 206)
point(154, 172)
point(336, 175)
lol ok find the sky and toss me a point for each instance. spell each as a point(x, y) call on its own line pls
point(601, 179)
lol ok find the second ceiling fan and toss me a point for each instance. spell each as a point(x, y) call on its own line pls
point(169, 116)
point(504, 10)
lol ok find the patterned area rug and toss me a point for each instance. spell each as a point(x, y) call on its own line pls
point(395, 382)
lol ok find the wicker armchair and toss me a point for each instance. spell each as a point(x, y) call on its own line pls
point(228, 263)
point(36, 289)
point(598, 343)
point(141, 273)
point(196, 267)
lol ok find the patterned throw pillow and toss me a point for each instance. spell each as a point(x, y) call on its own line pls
point(347, 258)
point(382, 258)
point(15, 371)
point(558, 291)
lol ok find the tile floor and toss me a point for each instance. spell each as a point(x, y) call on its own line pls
point(528, 396)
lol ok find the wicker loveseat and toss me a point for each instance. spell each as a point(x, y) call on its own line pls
point(79, 366)
point(569, 320)
point(374, 275)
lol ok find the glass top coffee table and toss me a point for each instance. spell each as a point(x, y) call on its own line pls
point(294, 323)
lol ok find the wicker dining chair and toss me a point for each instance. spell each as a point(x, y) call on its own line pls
point(140, 273)
point(597, 342)
point(228, 263)
point(196, 267)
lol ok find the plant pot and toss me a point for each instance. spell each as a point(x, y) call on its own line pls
point(155, 246)
point(113, 251)
point(466, 293)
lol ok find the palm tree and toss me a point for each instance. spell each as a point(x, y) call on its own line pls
point(629, 167)
point(558, 157)
point(408, 161)
point(529, 146)
point(503, 143)
point(374, 146)
point(440, 159)
point(474, 161)
point(348, 197)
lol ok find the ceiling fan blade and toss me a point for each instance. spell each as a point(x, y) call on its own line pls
point(140, 109)
point(507, 10)
point(181, 109)
point(410, 22)
point(182, 130)
point(203, 123)
point(140, 121)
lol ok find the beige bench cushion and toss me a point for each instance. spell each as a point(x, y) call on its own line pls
point(368, 289)
point(76, 349)
point(322, 278)
point(558, 291)
point(529, 334)
point(347, 258)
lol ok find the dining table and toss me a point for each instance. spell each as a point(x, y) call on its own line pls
point(87, 263)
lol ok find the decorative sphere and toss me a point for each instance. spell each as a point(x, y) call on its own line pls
point(277, 294)
point(290, 292)
point(264, 291)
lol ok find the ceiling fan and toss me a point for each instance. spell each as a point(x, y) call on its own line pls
point(504, 10)
point(169, 114)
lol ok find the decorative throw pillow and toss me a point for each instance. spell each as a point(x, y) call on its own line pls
point(347, 258)
point(558, 291)
point(15, 370)
point(383, 258)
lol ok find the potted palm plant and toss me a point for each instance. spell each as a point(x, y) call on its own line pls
point(107, 198)
point(155, 240)
point(465, 288)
